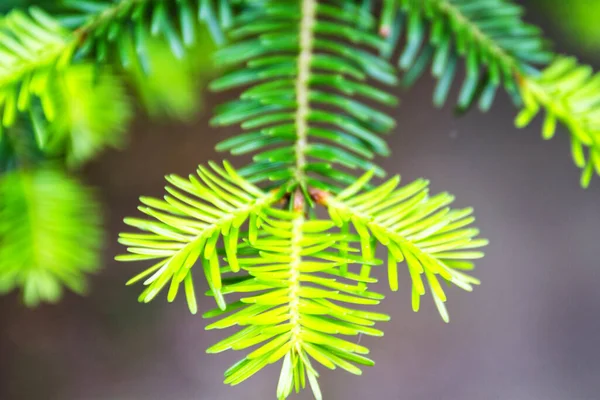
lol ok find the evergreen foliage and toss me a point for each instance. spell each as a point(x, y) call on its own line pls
point(568, 93)
point(186, 229)
point(496, 44)
point(315, 82)
point(305, 110)
point(49, 234)
point(423, 231)
point(294, 307)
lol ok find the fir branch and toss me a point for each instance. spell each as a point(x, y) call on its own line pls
point(30, 43)
point(421, 230)
point(98, 23)
point(497, 45)
point(306, 116)
point(124, 24)
point(49, 234)
point(568, 93)
point(187, 225)
point(291, 312)
point(75, 110)
point(40, 57)
point(40, 43)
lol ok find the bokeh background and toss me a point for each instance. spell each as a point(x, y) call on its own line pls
point(530, 332)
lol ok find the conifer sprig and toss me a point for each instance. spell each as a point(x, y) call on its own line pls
point(49, 234)
point(308, 128)
point(186, 226)
point(497, 46)
point(305, 114)
point(433, 239)
point(314, 88)
point(289, 311)
point(569, 93)
point(50, 73)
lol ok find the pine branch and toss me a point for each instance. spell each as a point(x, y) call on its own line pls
point(432, 238)
point(42, 74)
point(290, 311)
point(76, 110)
point(36, 42)
point(187, 225)
point(49, 234)
point(304, 70)
point(45, 44)
point(497, 45)
point(30, 43)
point(123, 24)
point(568, 93)
point(305, 117)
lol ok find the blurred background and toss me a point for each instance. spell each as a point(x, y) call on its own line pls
point(530, 332)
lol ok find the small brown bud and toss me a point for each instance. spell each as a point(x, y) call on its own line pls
point(298, 201)
point(384, 31)
point(318, 195)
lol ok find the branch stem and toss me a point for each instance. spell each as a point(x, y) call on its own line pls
point(302, 86)
point(294, 294)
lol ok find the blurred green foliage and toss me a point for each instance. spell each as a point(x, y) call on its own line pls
point(8, 5)
point(70, 76)
point(578, 20)
point(173, 92)
point(49, 234)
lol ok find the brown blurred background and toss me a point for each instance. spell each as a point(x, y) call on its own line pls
point(530, 332)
